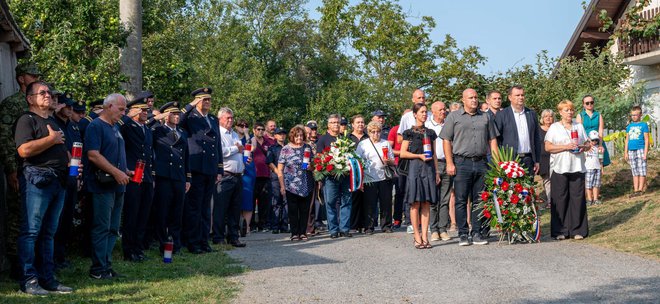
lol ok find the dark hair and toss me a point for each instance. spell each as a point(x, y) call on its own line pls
point(295, 130)
point(241, 122)
point(30, 87)
point(417, 106)
point(636, 108)
point(258, 124)
point(588, 95)
point(493, 92)
point(517, 87)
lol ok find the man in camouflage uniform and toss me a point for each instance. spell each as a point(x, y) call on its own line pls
point(12, 107)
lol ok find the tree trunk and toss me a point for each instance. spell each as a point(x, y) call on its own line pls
point(130, 13)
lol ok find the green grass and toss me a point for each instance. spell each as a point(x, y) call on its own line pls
point(190, 278)
point(625, 224)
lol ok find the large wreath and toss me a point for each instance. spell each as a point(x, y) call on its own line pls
point(508, 201)
point(338, 160)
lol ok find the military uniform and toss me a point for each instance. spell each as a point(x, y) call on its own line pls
point(172, 171)
point(137, 200)
point(205, 151)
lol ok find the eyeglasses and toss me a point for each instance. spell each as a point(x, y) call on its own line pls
point(374, 132)
point(259, 129)
point(42, 93)
point(588, 103)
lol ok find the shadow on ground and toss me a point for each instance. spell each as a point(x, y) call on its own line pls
point(626, 290)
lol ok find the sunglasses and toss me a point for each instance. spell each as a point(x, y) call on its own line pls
point(42, 93)
point(259, 129)
point(588, 103)
point(242, 126)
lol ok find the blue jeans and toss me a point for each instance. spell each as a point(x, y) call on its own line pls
point(105, 228)
point(335, 192)
point(469, 183)
point(41, 214)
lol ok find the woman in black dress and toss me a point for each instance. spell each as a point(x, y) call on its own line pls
point(420, 190)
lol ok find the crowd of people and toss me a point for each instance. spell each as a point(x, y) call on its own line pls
point(180, 174)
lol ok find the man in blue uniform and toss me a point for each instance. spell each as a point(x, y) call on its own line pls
point(206, 168)
point(139, 193)
point(172, 170)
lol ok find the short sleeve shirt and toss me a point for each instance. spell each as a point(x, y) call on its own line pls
point(566, 161)
point(469, 134)
point(393, 138)
point(107, 140)
point(635, 131)
point(296, 180)
point(31, 126)
point(416, 138)
point(325, 141)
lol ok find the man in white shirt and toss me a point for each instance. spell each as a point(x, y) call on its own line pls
point(408, 119)
point(440, 211)
point(227, 198)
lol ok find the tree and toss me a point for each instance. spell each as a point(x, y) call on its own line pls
point(130, 63)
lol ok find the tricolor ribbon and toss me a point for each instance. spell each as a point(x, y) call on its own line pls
point(355, 174)
point(497, 207)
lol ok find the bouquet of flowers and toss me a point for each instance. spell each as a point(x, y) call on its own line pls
point(337, 160)
point(508, 202)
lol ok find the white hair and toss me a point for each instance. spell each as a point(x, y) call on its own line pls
point(225, 110)
point(113, 99)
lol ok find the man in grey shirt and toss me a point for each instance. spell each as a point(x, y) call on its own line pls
point(467, 135)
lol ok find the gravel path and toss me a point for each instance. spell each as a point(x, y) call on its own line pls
point(385, 268)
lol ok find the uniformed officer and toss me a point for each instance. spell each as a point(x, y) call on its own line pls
point(71, 134)
point(172, 170)
point(12, 108)
point(79, 111)
point(96, 108)
point(138, 139)
point(206, 168)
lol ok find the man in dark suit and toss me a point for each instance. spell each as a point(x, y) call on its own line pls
point(519, 129)
point(172, 170)
point(206, 167)
point(137, 200)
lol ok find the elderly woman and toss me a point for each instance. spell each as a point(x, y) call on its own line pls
point(567, 169)
point(547, 119)
point(296, 183)
point(359, 209)
point(378, 156)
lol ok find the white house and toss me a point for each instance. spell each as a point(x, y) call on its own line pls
point(13, 45)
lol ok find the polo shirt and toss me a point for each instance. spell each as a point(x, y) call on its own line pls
point(469, 134)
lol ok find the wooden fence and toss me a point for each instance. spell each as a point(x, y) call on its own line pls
point(655, 135)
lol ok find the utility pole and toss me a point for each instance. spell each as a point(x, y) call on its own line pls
point(130, 59)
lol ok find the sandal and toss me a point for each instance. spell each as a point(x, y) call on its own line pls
point(418, 245)
point(303, 238)
point(427, 245)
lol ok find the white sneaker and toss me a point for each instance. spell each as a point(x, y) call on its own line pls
point(410, 229)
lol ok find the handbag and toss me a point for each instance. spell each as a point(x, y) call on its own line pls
point(402, 168)
point(104, 178)
point(389, 172)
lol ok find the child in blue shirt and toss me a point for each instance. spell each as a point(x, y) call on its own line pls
point(636, 149)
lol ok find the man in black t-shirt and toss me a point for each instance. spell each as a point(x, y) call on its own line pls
point(40, 143)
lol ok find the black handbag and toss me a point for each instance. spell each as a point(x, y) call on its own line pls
point(104, 178)
point(402, 167)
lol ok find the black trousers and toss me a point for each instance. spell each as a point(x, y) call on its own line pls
point(168, 207)
point(359, 211)
point(377, 196)
point(569, 205)
point(227, 208)
point(298, 212)
point(197, 211)
point(261, 202)
point(469, 183)
point(137, 207)
point(64, 234)
point(399, 207)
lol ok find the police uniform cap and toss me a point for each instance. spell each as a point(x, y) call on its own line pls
point(343, 121)
point(202, 93)
point(170, 107)
point(79, 106)
point(378, 113)
point(312, 125)
point(137, 104)
point(96, 103)
point(27, 68)
point(66, 98)
point(279, 130)
point(143, 96)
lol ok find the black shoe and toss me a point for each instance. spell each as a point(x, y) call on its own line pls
point(114, 274)
point(132, 258)
point(478, 240)
point(463, 240)
point(62, 265)
point(276, 231)
point(345, 234)
point(334, 235)
point(57, 287)
point(100, 275)
point(220, 242)
point(32, 287)
point(207, 248)
point(237, 243)
point(142, 257)
point(369, 231)
point(195, 250)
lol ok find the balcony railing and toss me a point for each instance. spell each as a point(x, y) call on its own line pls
point(639, 46)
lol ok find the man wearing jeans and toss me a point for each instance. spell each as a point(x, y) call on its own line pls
point(466, 136)
point(335, 190)
point(40, 143)
point(106, 181)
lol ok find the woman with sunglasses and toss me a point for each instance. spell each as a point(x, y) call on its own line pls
point(593, 121)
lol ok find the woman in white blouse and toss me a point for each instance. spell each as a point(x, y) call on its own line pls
point(377, 155)
point(567, 164)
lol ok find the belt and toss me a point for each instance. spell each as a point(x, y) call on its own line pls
point(442, 160)
point(523, 155)
point(232, 174)
point(472, 158)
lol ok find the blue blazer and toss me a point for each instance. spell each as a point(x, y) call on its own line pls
point(506, 125)
point(204, 144)
point(171, 158)
point(138, 141)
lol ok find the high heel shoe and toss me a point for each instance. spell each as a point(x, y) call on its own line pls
point(418, 245)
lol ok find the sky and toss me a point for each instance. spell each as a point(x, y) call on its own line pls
point(509, 33)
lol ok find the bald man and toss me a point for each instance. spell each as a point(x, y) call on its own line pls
point(467, 135)
point(408, 120)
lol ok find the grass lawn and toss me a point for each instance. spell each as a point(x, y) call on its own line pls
point(189, 279)
point(625, 224)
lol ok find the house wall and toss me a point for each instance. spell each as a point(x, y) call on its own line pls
point(8, 85)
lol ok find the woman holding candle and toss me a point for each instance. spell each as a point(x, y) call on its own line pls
point(378, 156)
point(296, 183)
point(420, 192)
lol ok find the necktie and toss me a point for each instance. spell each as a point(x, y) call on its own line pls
point(174, 135)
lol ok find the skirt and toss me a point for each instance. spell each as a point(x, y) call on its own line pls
point(249, 178)
point(420, 186)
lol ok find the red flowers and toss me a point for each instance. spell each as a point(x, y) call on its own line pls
point(505, 186)
point(505, 212)
point(500, 201)
point(317, 160)
point(327, 158)
point(487, 213)
point(517, 188)
point(329, 168)
point(515, 199)
point(326, 149)
point(485, 195)
point(319, 168)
